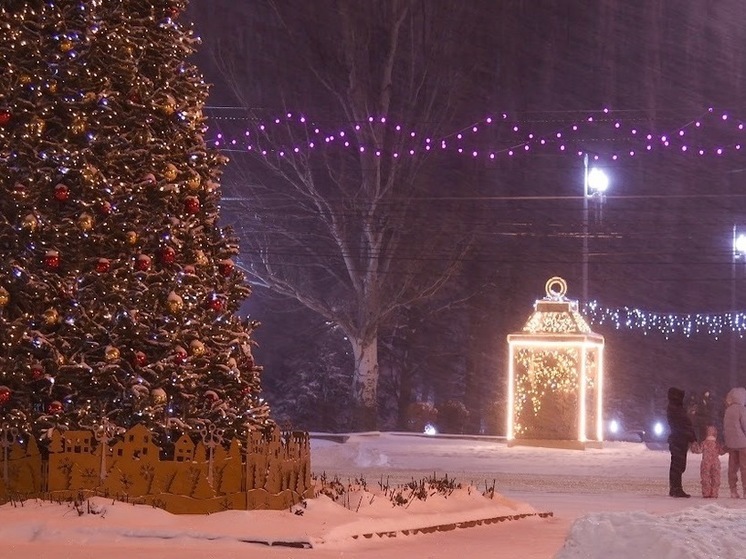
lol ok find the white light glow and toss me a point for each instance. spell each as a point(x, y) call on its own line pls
point(658, 428)
point(600, 393)
point(430, 429)
point(739, 245)
point(614, 426)
point(583, 395)
point(511, 391)
point(598, 181)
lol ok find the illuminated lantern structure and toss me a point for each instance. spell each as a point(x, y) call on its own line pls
point(555, 389)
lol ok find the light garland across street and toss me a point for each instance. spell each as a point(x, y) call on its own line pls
point(669, 325)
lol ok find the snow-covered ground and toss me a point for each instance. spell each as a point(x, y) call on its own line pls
point(607, 503)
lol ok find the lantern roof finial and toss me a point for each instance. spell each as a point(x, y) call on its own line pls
point(556, 288)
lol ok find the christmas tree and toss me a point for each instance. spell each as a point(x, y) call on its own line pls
point(117, 288)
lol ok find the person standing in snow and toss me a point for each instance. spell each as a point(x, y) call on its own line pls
point(704, 417)
point(709, 469)
point(734, 432)
point(681, 435)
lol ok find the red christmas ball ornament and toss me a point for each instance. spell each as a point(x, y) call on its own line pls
point(172, 12)
point(140, 359)
point(180, 354)
point(142, 264)
point(104, 208)
point(168, 255)
point(191, 204)
point(55, 407)
point(5, 117)
point(37, 371)
point(226, 267)
point(190, 269)
point(216, 304)
point(61, 192)
point(5, 394)
point(52, 259)
point(149, 179)
point(103, 265)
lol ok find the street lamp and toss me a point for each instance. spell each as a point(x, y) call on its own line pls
point(595, 184)
point(739, 251)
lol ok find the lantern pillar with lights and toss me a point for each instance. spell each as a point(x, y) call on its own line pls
point(555, 377)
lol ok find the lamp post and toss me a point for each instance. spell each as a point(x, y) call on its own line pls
point(595, 183)
point(739, 251)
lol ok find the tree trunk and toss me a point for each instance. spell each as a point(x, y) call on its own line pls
point(365, 382)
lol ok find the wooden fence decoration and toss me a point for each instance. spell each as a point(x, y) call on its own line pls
point(269, 470)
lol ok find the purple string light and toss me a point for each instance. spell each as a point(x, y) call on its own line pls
point(479, 139)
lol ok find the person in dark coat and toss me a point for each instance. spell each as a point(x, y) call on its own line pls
point(681, 435)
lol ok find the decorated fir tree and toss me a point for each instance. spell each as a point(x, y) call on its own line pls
point(117, 289)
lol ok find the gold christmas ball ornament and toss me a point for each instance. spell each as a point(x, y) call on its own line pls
point(4, 297)
point(193, 182)
point(24, 79)
point(111, 353)
point(174, 303)
point(89, 172)
point(78, 125)
point(131, 237)
point(51, 317)
point(66, 45)
point(36, 126)
point(168, 105)
point(52, 86)
point(158, 396)
point(30, 223)
point(200, 259)
point(170, 172)
point(85, 222)
point(197, 348)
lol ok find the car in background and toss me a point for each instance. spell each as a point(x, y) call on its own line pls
point(654, 431)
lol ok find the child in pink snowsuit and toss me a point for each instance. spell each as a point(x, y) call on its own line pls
point(709, 469)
